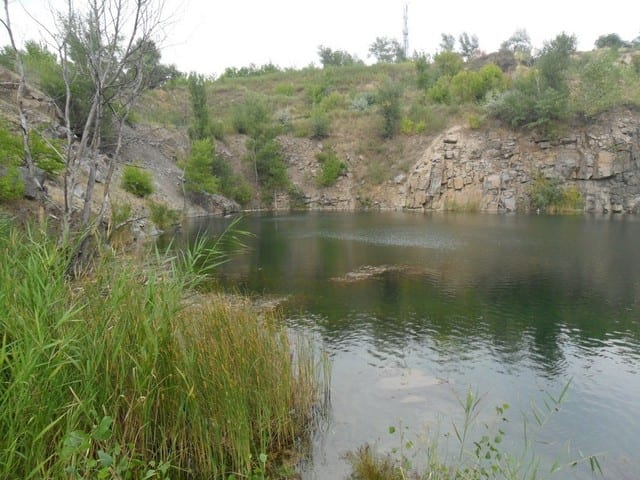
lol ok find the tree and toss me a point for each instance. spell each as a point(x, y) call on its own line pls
point(388, 100)
point(554, 61)
point(468, 45)
point(447, 42)
point(24, 127)
point(107, 42)
point(198, 172)
point(387, 50)
point(201, 125)
point(612, 40)
point(519, 44)
point(336, 58)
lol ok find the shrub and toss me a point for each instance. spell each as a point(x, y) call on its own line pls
point(598, 88)
point(161, 215)
point(548, 195)
point(332, 167)
point(242, 193)
point(388, 101)
point(251, 116)
point(11, 183)
point(361, 102)
point(320, 123)
point(439, 92)
point(137, 180)
point(198, 171)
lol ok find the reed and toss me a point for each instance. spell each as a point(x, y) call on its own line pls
point(118, 376)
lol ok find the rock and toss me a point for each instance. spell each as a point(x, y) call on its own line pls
point(400, 179)
point(215, 204)
point(33, 185)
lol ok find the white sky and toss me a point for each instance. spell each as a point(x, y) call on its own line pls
point(209, 35)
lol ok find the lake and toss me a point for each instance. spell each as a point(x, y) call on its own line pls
point(416, 310)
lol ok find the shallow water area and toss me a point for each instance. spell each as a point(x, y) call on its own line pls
point(416, 310)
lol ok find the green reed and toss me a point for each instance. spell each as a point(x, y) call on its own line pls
point(118, 376)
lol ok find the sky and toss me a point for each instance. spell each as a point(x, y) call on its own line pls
point(206, 36)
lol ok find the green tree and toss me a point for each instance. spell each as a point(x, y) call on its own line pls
point(611, 40)
point(388, 101)
point(555, 59)
point(200, 128)
point(447, 63)
point(387, 50)
point(519, 44)
point(198, 171)
point(469, 45)
point(336, 58)
point(447, 42)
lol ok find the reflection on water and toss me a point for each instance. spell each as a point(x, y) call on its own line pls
point(510, 305)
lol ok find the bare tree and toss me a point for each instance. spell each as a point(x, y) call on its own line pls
point(104, 42)
point(24, 126)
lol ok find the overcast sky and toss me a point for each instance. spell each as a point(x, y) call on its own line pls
point(209, 35)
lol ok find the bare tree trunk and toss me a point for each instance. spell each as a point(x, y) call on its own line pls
point(24, 127)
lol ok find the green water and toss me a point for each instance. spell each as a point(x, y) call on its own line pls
point(510, 306)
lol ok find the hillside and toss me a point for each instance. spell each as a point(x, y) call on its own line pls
point(494, 133)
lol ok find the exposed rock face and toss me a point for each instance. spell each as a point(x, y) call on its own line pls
point(493, 170)
point(215, 204)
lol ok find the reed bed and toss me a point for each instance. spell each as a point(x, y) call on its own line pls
point(116, 376)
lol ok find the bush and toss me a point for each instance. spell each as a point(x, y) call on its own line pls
point(137, 180)
point(332, 167)
point(242, 193)
point(161, 215)
point(198, 171)
point(388, 101)
point(251, 116)
point(548, 195)
point(320, 123)
point(11, 183)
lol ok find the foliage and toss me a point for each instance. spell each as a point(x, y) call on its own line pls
point(198, 170)
point(469, 45)
point(116, 376)
point(251, 117)
point(548, 195)
point(320, 123)
point(388, 101)
point(336, 58)
point(201, 124)
point(554, 61)
point(161, 215)
point(599, 84)
point(252, 70)
point(447, 63)
point(611, 40)
point(387, 50)
point(447, 42)
point(519, 44)
point(43, 152)
point(11, 183)
point(266, 154)
point(362, 101)
point(424, 75)
point(332, 167)
point(242, 192)
point(483, 453)
point(137, 180)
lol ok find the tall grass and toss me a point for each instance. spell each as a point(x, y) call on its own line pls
point(118, 376)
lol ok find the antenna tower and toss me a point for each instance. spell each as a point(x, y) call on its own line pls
point(405, 31)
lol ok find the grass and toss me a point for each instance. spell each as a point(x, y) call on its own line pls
point(130, 372)
point(483, 449)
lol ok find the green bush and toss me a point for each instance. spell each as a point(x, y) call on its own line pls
point(439, 91)
point(161, 215)
point(11, 184)
point(320, 123)
point(332, 167)
point(251, 116)
point(548, 195)
point(242, 193)
point(198, 170)
point(137, 180)
point(598, 88)
point(388, 101)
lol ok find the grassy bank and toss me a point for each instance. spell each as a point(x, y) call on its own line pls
point(116, 376)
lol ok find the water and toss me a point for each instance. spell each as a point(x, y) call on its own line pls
point(415, 310)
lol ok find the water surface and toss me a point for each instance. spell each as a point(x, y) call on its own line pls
point(415, 310)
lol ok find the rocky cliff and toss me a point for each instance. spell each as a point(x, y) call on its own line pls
point(493, 170)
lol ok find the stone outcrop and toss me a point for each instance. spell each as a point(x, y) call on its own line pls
point(492, 170)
